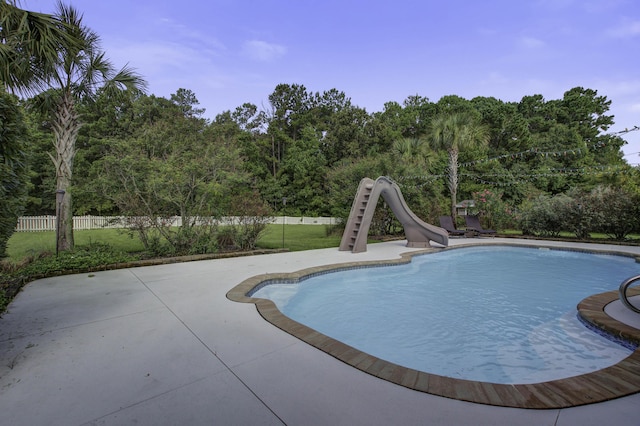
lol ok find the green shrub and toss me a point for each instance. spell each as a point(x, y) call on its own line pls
point(497, 213)
point(82, 258)
point(195, 239)
point(226, 237)
point(578, 213)
point(254, 215)
point(617, 211)
point(544, 215)
point(605, 209)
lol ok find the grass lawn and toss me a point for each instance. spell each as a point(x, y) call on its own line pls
point(296, 238)
point(22, 244)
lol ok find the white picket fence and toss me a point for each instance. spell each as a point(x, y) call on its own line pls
point(48, 223)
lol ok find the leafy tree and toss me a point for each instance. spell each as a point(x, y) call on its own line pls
point(540, 115)
point(76, 77)
point(346, 135)
point(418, 113)
point(343, 180)
point(248, 118)
point(289, 105)
point(387, 126)
point(13, 167)
point(584, 111)
point(108, 119)
point(174, 166)
point(41, 184)
point(187, 102)
point(454, 104)
point(508, 130)
point(305, 171)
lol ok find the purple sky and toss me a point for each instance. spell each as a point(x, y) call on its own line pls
point(233, 51)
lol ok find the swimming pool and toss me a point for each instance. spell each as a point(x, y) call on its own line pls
point(490, 314)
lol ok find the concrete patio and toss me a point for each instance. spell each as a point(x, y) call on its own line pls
point(163, 345)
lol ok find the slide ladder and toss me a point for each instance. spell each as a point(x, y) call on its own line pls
point(350, 240)
point(418, 233)
point(623, 293)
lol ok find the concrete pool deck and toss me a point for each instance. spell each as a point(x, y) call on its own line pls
point(163, 345)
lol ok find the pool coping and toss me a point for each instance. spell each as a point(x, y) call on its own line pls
point(618, 380)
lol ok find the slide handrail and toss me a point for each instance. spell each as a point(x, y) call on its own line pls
point(623, 292)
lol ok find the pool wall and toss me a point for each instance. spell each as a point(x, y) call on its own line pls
point(618, 380)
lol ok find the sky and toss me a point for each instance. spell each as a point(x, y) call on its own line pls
point(229, 52)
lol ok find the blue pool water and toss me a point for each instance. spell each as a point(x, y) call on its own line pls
point(492, 314)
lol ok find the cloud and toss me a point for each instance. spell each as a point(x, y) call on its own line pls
point(184, 34)
point(157, 56)
point(555, 4)
point(618, 88)
point(531, 42)
point(169, 66)
point(495, 79)
point(262, 51)
point(626, 30)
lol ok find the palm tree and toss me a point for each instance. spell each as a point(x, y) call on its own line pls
point(80, 71)
point(455, 132)
point(29, 45)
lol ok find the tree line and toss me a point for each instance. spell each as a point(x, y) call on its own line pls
point(91, 130)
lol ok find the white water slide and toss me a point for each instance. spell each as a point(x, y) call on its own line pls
point(417, 232)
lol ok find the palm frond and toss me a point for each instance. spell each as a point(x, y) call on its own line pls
point(30, 43)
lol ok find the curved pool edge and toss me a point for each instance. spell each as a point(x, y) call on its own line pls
point(618, 380)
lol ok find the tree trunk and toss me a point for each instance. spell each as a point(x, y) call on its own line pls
point(65, 239)
point(65, 129)
point(453, 180)
point(273, 156)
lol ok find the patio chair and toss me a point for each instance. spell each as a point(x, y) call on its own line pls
point(473, 224)
point(446, 222)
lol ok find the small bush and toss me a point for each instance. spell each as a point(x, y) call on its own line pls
point(497, 213)
point(616, 211)
point(609, 210)
point(226, 237)
point(578, 214)
point(544, 215)
point(194, 239)
point(82, 258)
point(206, 242)
point(254, 215)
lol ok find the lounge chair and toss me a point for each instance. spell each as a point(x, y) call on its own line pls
point(446, 222)
point(473, 224)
